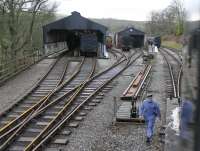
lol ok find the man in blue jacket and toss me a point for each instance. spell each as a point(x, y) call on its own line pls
point(149, 110)
point(186, 118)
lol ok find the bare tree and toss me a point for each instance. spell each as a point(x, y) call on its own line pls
point(180, 13)
point(17, 20)
point(168, 21)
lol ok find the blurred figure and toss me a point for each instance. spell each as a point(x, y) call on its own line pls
point(185, 119)
point(149, 110)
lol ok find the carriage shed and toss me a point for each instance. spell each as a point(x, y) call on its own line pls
point(129, 37)
point(79, 35)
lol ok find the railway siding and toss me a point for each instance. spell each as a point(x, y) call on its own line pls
point(15, 88)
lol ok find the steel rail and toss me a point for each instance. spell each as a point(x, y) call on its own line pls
point(68, 103)
point(28, 112)
point(171, 49)
point(118, 58)
point(58, 99)
point(13, 125)
point(120, 52)
point(148, 81)
point(171, 75)
point(130, 85)
point(114, 54)
point(7, 126)
point(33, 88)
point(92, 78)
point(42, 136)
point(146, 71)
point(39, 110)
point(176, 59)
point(180, 72)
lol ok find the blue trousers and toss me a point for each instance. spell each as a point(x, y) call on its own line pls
point(150, 122)
point(184, 129)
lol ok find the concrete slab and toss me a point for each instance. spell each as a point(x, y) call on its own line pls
point(78, 118)
point(16, 148)
point(99, 97)
point(87, 108)
point(61, 141)
point(49, 117)
point(92, 104)
point(73, 124)
point(42, 123)
point(66, 132)
point(34, 130)
point(13, 115)
point(82, 114)
point(25, 139)
point(96, 101)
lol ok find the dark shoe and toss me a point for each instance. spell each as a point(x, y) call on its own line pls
point(148, 140)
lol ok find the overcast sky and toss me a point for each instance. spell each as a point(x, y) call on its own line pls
point(122, 9)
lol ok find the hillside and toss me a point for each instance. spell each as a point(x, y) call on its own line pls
point(115, 25)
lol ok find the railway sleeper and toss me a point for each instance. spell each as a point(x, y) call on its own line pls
point(73, 124)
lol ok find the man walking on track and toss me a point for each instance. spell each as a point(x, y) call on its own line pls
point(149, 110)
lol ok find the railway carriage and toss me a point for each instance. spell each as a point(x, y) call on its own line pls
point(88, 45)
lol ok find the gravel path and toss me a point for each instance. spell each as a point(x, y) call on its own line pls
point(20, 84)
point(188, 88)
point(99, 132)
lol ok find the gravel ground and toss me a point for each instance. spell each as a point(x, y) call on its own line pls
point(188, 88)
point(11, 91)
point(99, 132)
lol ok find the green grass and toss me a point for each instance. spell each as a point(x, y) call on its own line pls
point(172, 44)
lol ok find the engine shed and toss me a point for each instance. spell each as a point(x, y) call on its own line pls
point(129, 38)
point(77, 34)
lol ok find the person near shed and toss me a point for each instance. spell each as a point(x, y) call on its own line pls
point(149, 110)
point(185, 118)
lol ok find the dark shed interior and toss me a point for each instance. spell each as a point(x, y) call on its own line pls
point(71, 29)
point(131, 37)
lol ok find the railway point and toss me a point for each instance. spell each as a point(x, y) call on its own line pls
point(77, 82)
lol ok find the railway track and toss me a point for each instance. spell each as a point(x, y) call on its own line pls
point(52, 78)
point(121, 54)
point(13, 128)
point(36, 99)
point(173, 80)
point(96, 84)
point(33, 132)
point(118, 55)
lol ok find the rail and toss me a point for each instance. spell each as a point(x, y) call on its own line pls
point(176, 85)
point(136, 84)
point(13, 67)
point(14, 124)
point(50, 130)
point(37, 108)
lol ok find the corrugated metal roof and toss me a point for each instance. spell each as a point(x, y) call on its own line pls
point(75, 22)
